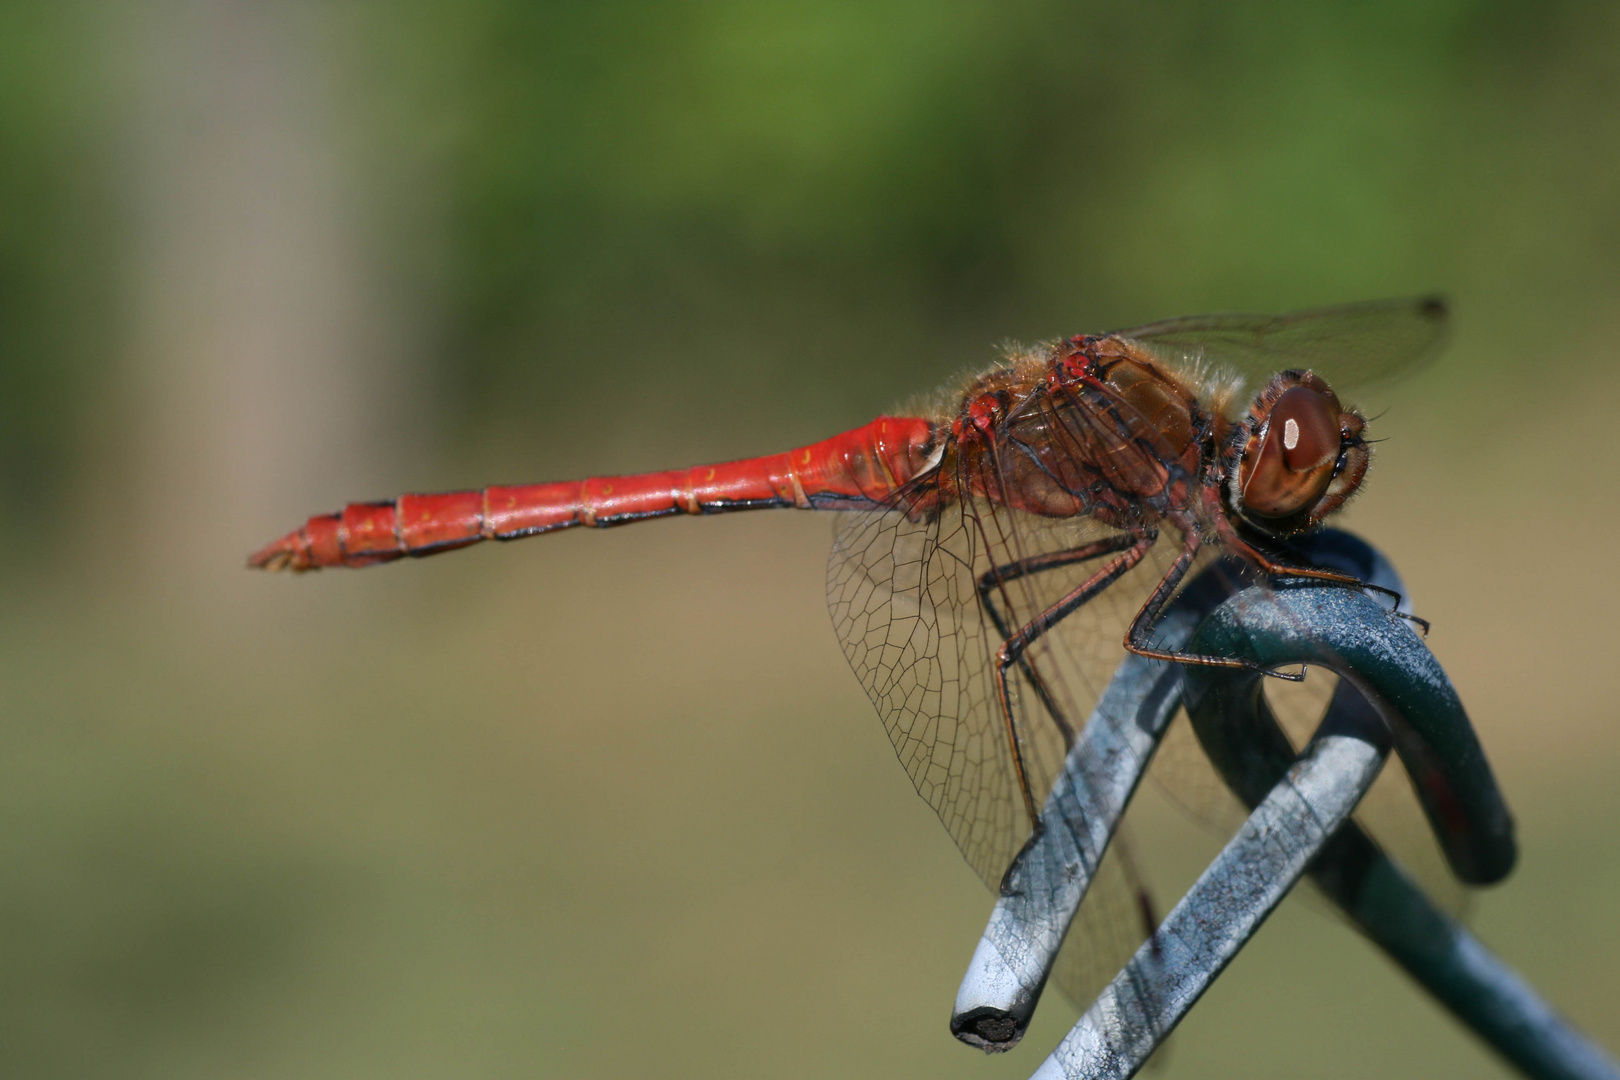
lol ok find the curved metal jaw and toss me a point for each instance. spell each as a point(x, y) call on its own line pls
point(1392, 694)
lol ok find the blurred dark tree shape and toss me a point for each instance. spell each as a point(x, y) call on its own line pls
point(56, 223)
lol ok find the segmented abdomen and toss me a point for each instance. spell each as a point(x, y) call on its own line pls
point(858, 468)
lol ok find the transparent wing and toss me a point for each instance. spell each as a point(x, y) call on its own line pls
point(1350, 345)
point(906, 604)
point(1116, 918)
point(903, 598)
point(905, 595)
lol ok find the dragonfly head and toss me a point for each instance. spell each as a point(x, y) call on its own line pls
point(1300, 455)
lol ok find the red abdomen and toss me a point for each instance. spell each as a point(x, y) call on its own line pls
point(857, 469)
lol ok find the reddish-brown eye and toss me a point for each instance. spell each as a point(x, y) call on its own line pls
point(1297, 455)
point(1307, 424)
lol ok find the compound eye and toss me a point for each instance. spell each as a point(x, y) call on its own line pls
point(1306, 423)
point(1296, 458)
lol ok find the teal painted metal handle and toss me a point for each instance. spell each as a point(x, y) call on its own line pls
point(1402, 687)
point(1380, 656)
point(1392, 693)
point(1489, 997)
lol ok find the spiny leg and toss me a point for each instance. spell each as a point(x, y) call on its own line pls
point(1136, 639)
point(1231, 538)
point(1271, 568)
point(1040, 563)
point(993, 579)
point(1017, 644)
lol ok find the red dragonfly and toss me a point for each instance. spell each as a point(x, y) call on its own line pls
point(999, 554)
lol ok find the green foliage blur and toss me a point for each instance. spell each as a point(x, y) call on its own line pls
point(611, 804)
point(666, 220)
point(57, 236)
point(623, 179)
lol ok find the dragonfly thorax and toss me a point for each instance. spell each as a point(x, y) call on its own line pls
point(980, 416)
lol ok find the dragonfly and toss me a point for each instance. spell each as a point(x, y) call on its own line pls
point(998, 553)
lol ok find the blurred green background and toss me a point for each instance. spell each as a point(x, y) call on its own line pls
point(611, 804)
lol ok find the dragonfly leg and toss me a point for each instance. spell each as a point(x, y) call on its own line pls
point(1014, 646)
point(1230, 537)
point(1136, 638)
point(992, 580)
point(1000, 575)
point(1276, 569)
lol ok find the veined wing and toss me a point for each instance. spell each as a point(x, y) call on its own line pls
point(906, 604)
point(924, 591)
point(905, 600)
point(1349, 345)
